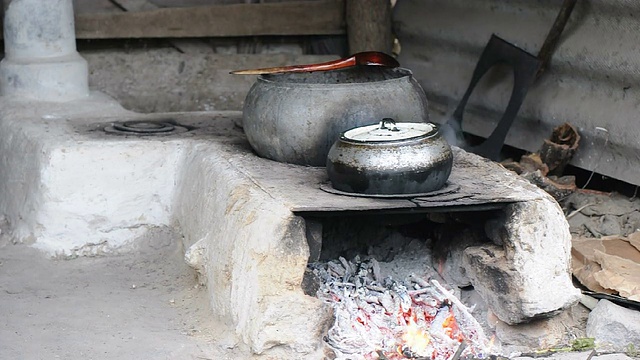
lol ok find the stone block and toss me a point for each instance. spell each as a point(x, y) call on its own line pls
point(559, 331)
point(614, 326)
point(253, 252)
point(529, 276)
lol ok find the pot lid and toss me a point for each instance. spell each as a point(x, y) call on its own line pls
point(389, 130)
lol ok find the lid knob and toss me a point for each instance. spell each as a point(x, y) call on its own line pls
point(388, 124)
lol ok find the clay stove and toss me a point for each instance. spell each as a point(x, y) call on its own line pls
point(519, 271)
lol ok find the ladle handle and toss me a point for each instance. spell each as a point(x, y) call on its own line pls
point(369, 58)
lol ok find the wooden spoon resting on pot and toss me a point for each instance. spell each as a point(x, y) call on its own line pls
point(372, 58)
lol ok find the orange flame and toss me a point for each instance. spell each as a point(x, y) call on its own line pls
point(416, 339)
point(451, 328)
point(491, 343)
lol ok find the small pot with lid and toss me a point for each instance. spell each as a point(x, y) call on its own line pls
point(390, 158)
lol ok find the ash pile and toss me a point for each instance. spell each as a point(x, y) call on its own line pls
point(396, 310)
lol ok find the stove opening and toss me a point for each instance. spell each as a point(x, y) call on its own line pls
point(397, 283)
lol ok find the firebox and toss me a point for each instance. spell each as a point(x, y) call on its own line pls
point(384, 276)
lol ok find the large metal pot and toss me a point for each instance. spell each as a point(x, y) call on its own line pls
point(296, 117)
point(390, 158)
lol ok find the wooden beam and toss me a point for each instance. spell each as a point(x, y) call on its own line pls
point(135, 5)
point(325, 17)
point(369, 25)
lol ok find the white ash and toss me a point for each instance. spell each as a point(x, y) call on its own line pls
point(378, 305)
point(415, 258)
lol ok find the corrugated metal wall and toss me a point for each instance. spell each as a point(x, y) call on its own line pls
point(592, 83)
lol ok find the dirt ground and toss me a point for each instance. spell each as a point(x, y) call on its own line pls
point(142, 305)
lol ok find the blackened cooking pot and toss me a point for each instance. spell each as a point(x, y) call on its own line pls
point(390, 158)
point(296, 117)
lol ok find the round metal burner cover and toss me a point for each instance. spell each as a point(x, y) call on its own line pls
point(144, 127)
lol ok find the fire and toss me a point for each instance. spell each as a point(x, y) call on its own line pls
point(492, 341)
point(388, 319)
point(451, 328)
point(416, 341)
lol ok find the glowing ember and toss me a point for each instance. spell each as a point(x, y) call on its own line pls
point(451, 328)
point(491, 343)
point(386, 319)
point(416, 341)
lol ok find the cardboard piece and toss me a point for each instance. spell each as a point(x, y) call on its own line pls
point(610, 264)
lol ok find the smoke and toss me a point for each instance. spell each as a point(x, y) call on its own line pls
point(451, 131)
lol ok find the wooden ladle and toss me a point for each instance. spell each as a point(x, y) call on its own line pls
point(372, 58)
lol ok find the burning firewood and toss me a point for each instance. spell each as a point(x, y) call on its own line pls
point(386, 318)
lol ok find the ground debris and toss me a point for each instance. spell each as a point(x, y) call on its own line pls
point(544, 167)
point(597, 214)
point(610, 264)
point(387, 318)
